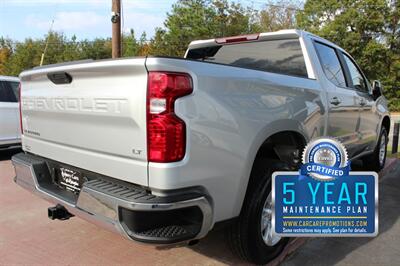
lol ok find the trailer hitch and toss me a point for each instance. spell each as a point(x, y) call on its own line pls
point(58, 212)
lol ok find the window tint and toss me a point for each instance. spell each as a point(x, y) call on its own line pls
point(15, 87)
point(6, 92)
point(331, 64)
point(277, 56)
point(355, 74)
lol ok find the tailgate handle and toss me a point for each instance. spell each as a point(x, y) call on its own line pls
point(60, 77)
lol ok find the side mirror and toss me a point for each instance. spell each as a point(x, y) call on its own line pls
point(376, 89)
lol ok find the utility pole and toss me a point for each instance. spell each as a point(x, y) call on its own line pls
point(116, 28)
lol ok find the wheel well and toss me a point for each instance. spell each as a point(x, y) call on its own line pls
point(386, 123)
point(285, 146)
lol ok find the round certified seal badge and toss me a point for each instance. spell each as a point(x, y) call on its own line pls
point(325, 159)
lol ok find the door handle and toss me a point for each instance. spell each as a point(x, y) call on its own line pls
point(362, 102)
point(335, 101)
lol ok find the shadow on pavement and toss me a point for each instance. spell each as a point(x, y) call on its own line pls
point(6, 154)
point(381, 250)
point(215, 246)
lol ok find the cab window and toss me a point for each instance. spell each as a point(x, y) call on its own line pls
point(330, 64)
point(356, 77)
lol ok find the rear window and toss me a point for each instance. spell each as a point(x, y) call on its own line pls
point(277, 56)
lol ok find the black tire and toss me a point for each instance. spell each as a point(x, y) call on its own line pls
point(372, 162)
point(244, 234)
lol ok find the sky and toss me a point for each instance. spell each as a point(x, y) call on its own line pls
point(87, 19)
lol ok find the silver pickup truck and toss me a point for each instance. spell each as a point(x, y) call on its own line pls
point(160, 149)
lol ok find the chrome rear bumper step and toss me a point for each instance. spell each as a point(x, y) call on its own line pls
point(127, 209)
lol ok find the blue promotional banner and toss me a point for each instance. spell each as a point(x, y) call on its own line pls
point(304, 206)
point(324, 198)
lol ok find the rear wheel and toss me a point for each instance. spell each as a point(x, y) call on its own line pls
point(376, 161)
point(270, 239)
point(251, 235)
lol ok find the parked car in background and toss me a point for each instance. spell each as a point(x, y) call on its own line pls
point(10, 132)
point(160, 149)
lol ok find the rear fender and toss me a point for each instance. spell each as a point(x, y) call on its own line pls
point(262, 136)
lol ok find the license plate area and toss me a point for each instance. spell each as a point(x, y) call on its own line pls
point(69, 179)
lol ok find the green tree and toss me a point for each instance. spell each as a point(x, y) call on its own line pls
point(5, 53)
point(230, 19)
point(367, 29)
point(188, 20)
point(130, 46)
point(158, 45)
point(56, 50)
point(24, 56)
point(18, 56)
point(278, 15)
point(143, 45)
point(200, 19)
point(392, 37)
point(99, 48)
point(71, 50)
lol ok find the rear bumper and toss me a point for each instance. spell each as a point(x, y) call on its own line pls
point(126, 209)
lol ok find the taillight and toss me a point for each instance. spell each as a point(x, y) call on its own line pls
point(166, 133)
point(20, 107)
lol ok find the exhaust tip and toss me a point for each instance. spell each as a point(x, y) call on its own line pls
point(58, 212)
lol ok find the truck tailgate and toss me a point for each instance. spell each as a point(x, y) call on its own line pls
point(96, 122)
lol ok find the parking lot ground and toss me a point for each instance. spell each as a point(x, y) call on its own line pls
point(27, 236)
